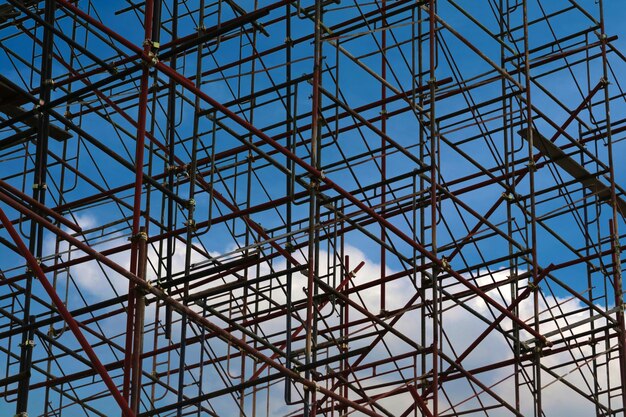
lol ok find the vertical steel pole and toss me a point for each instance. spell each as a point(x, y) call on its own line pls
point(39, 195)
point(614, 229)
point(140, 305)
point(149, 50)
point(433, 202)
point(533, 221)
point(309, 398)
point(619, 304)
point(383, 153)
point(509, 157)
point(289, 192)
point(171, 146)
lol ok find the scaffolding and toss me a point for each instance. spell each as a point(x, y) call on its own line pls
point(312, 208)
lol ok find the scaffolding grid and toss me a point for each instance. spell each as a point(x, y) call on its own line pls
point(312, 208)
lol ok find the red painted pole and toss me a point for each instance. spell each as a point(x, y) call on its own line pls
point(134, 245)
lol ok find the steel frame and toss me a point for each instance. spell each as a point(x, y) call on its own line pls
point(311, 207)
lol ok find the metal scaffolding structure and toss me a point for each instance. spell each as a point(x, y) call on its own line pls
point(312, 208)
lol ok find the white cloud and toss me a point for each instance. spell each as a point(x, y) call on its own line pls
point(460, 325)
